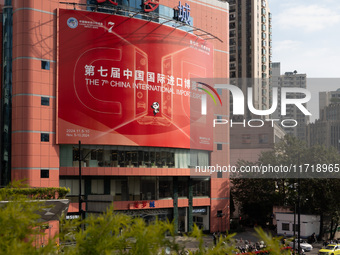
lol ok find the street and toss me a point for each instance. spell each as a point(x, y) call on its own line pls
point(241, 238)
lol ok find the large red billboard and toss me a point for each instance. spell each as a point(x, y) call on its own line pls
point(126, 81)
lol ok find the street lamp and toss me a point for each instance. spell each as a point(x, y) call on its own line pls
point(294, 230)
point(299, 215)
point(296, 188)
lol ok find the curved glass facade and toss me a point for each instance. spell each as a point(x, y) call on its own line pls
point(131, 156)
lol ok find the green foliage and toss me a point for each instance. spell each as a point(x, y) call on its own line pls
point(273, 244)
point(107, 233)
point(20, 227)
point(34, 193)
point(257, 197)
point(225, 244)
point(317, 195)
point(17, 188)
point(115, 233)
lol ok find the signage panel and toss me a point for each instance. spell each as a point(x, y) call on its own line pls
point(126, 81)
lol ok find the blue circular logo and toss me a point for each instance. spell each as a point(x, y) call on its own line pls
point(72, 22)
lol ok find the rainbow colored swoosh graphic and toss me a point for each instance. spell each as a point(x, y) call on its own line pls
point(209, 93)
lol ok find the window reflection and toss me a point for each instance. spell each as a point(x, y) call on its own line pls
point(183, 184)
point(201, 187)
point(148, 187)
point(141, 188)
point(165, 187)
point(130, 156)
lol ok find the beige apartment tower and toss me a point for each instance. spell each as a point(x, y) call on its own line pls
point(250, 47)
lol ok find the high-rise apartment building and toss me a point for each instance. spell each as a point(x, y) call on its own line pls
point(326, 98)
point(326, 130)
point(250, 47)
point(290, 80)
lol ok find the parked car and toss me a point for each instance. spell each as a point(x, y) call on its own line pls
point(331, 249)
point(303, 244)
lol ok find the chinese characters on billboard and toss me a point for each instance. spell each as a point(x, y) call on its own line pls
point(126, 81)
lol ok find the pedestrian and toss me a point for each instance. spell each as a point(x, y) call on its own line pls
point(215, 238)
point(314, 240)
point(284, 238)
point(325, 243)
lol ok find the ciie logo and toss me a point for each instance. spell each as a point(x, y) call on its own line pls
point(72, 22)
point(238, 105)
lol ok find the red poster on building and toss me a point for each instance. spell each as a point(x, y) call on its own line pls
point(126, 81)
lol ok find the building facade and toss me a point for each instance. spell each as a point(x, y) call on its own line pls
point(290, 80)
point(102, 92)
point(250, 48)
point(326, 130)
point(248, 143)
point(326, 98)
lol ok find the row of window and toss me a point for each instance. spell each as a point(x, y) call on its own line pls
point(132, 188)
point(286, 227)
point(131, 156)
point(262, 139)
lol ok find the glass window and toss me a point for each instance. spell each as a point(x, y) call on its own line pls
point(183, 183)
point(45, 65)
point(121, 158)
point(134, 188)
point(148, 187)
point(153, 158)
point(119, 189)
point(165, 187)
point(44, 173)
point(285, 226)
point(73, 185)
point(146, 158)
point(132, 156)
point(97, 186)
point(171, 159)
point(201, 187)
point(246, 139)
point(45, 101)
point(219, 146)
point(263, 138)
point(44, 137)
point(158, 159)
point(219, 118)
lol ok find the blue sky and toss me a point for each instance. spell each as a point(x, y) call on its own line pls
point(306, 36)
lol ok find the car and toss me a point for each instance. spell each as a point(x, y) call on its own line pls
point(303, 244)
point(330, 249)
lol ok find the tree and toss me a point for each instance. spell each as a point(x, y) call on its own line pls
point(318, 195)
point(108, 233)
point(20, 225)
point(256, 197)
